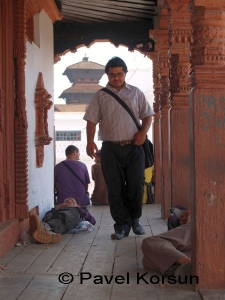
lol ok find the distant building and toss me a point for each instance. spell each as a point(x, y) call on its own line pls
point(84, 77)
point(70, 128)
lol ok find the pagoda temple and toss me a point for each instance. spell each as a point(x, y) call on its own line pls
point(84, 77)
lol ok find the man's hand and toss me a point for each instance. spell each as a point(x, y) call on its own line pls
point(91, 149)
point(139, 138)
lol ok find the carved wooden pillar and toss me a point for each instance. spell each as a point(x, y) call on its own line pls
point(7, 179)
point(180, 33)
point(21, 147)
point(207, 111)
point(23, 11)
point(2, 202)
point(158, 179)
point(161, 38)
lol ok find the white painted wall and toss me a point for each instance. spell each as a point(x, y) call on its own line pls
point(71, 121)
point(40, 59)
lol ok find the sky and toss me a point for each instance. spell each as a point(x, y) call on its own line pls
point(100, 53)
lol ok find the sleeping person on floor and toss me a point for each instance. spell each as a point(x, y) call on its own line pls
point(170, 252)
point(67, 217)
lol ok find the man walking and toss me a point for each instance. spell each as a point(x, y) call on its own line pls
point(122, 154)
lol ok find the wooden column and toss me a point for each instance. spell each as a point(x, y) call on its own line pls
point(180, 33)
point(2, 204)
point(7, 162)
point(158, 178)
point(207, 111)
point(21, 126)
point(161, 38)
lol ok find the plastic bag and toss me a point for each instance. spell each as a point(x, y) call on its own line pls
point(82, 226)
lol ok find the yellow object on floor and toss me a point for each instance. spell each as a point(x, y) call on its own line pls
point(148, 178)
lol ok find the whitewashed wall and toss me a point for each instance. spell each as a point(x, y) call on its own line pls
point(71, 121)
point(40, 59)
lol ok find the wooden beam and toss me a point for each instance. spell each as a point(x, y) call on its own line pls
point(136, 4)
point(77, 18)
point(122, 11)
point(135, 7)
point(140, 2)
point(100, 15)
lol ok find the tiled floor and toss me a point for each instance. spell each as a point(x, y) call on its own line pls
point(97, 267)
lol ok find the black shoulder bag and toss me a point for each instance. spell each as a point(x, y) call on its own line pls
point(147, 146)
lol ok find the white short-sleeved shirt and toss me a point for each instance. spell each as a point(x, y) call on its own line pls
point(115, 124)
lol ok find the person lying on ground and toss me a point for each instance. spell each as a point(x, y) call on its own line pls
point(65, 218)
point(168, 251)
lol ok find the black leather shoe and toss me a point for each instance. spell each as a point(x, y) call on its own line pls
point(138, 229)
point(118, 235)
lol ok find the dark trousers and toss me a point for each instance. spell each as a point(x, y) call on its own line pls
point(123, 170)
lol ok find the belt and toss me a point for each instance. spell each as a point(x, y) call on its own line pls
point(121, 143)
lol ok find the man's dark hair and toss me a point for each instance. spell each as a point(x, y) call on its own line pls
point(115, 62)
point(70, 149)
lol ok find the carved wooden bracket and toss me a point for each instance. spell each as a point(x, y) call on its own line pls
point(48, 6)
point(42, 105)
point(154, 56)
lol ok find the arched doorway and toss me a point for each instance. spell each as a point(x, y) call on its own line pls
point(71, 115)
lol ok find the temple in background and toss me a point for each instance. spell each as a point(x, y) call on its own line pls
point(84, 77)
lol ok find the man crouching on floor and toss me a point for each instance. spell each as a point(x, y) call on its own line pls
point(170, 252)
point(65, 218)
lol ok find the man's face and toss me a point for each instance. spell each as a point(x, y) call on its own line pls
point(116, 77)
point(71, 202)
point(184, 216)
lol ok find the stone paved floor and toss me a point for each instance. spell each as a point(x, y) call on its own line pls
point(91, 262)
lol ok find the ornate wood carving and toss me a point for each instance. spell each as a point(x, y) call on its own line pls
point(180, 33)
point(180, 37)
point(49, 6)
point(154, 56)
point(42, 105)
point(23, 10)
point(161, 38)
point(158, 188)
point(208, 48)
point(21, 152)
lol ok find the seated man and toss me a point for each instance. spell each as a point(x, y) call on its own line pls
point(65, 218)
point(72, 178)
point(168, 251)
point(100, 194)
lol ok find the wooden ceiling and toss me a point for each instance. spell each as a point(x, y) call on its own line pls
point(122, 22)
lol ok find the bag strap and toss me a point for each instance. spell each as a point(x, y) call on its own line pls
point(72, 171)
point(125, 106)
